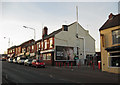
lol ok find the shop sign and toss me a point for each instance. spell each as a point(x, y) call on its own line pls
point(64, 53)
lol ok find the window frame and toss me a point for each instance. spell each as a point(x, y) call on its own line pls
point(109, 60)
point(113, 42)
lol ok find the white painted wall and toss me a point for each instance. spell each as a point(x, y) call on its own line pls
point(68, 38)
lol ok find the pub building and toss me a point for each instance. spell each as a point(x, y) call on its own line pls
point(63, 46)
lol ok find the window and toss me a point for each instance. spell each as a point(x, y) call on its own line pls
point(114, 59)
point(37, 46)
point(32, 47)
point(116, 36)
point(49, 56)
point(42, 45)
point(44, 56)
point(51, 43)
point(16, 49)
point(45, 44)
point(103, 40)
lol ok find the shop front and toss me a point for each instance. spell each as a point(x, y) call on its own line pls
point(32, 55)
point(47, 57)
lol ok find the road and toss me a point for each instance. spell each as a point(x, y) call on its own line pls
point(15, 73)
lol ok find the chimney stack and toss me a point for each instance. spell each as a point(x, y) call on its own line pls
point(45, 31)
point(111, 16)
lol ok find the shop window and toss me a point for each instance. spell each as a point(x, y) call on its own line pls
point(44, 56)
point(114, 59)
point(116, 36)
point(49, 56)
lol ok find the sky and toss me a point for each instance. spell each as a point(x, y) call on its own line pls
point(15, 15)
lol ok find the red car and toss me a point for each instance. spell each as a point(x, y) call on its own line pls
point(38, 63)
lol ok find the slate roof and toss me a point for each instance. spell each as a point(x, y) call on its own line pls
point(114, 21)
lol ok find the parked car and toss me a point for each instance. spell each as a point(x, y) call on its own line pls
point(21, 60)
point(28, 62)
point(3, 58)
point(38, 63)
point(15, 60)
point(10, 60)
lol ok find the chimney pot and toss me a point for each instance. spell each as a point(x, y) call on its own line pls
point(111, 16)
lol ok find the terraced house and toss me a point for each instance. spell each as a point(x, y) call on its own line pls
point(69, 44)
point(110, 44)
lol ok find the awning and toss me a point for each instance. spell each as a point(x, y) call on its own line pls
point(114, 48)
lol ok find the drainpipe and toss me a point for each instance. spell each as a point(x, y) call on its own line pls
point(79, 37)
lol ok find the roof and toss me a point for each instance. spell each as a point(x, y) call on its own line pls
point(27, 41)
point(12, 47)
point(114, 48)
point(111, 22)
point(53, 33)
point(28, 44)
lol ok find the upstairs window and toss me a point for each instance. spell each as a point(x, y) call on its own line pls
point(45, 44)
point(42, 45)
point(32, 47)
point(103, 40)
point(116, 36)
point(51, 43)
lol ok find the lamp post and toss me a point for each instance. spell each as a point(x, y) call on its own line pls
point(31, 29)
point(34, 34)
point(8, 41)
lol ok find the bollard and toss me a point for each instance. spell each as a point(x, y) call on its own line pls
point(59, 64)
point(99, 65)
point(64, 65)
point(56, 63)
point(93, 66)
point(71, 65)
point(68, 65)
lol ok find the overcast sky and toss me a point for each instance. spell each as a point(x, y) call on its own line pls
point(92, 15)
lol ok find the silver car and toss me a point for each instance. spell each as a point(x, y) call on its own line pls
point(21, 60)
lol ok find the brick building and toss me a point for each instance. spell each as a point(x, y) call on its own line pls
point(110, 44)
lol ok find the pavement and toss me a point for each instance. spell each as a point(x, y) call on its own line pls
point(20, 74)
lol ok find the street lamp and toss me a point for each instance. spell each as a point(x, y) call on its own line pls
point(8, 41)
point(34, 34)
point(31, 29)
